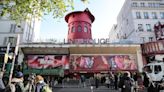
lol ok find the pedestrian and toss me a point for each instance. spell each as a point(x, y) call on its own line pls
point(126, 83)
point(115, 81)
point(41, 86)
point(17, 84)
point(2, 86)
point(96, 81)
point(83, 80)
point(135, 77)
point(107, 81)
point(145, 80)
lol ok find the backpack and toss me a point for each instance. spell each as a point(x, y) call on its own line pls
point(13, 87)
point(10, 88)
point(18, 88)
point(46, 88)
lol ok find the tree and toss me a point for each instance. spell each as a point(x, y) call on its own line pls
point(21, 9)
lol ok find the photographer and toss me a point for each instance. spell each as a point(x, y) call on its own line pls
point(17, 84)
point(31, 79)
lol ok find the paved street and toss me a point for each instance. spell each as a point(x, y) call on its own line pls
point(83, 90)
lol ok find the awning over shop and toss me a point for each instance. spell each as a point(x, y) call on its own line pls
point(103, 50)
point(45, 50)
point(80, 48)
point(56, 71)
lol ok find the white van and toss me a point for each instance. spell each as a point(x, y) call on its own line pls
point(155, 70)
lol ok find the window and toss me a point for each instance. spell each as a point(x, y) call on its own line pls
point(138, 15)
point(150, 4)
point(73, 29)
point(153, 4)
point(142, 39)
point(140, 27)
point(85, 29)
point(154, 15)
point(157, 5)
point(142, 4)
point(12, 40)
point(150, 39)
point(146, 15)
point(157, 69)
point(13, 28)
point(5, 41)
point(162, 15)
point(148, 27)
point(161, 46)
point(148, 69)
point(127, 22)
point(79, 28)
point(134, 4)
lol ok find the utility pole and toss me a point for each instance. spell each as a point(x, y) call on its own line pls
point(6, 57)
point(5, 60)
point(13, 60)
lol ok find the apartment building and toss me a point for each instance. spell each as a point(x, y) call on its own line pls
point(9, 29)
point(136, 20)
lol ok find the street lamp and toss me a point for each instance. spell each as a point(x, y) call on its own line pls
point(6, 57)
point(14, 57)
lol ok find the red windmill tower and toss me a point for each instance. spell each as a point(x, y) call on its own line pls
point(79, 26)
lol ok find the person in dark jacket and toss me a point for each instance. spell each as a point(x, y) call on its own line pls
point(125, 83)
point(39, 83)
point(2, 86)
point(116, 81)
point(135, 77)
point(145, 80)
point(17, 84)
point(96, 81)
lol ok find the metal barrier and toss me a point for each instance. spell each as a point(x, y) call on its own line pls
point(78, 84)
point(70, 83)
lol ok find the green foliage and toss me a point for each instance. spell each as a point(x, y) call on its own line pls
point(23, 9)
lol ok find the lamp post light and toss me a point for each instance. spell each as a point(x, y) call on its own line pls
point(6, 57)
point(14, 57)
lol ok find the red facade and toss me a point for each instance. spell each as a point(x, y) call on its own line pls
point(79, 26)
point(151, 49)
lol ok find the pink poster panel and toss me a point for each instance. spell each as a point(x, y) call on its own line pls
point(122, 62)
point(103, 62)
point(88, 63)
point(47, 61)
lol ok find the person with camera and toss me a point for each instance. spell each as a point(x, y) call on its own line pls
point(41, 86)
point(17, 84)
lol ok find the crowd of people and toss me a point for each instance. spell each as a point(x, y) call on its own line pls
point(127, 82)
point(123, 82)
point(35, 83)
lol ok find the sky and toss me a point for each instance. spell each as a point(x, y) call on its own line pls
point(105, 12)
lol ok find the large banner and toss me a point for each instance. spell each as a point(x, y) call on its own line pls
point(103, 62)
point(47, 61)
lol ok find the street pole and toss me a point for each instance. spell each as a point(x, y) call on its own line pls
point(6, 57)
point(13, 60)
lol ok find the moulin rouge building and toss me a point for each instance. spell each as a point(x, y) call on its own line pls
point(80, 54)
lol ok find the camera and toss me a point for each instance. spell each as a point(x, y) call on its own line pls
point(31, 76)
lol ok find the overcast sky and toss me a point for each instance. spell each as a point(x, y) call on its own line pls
point(105, 12)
